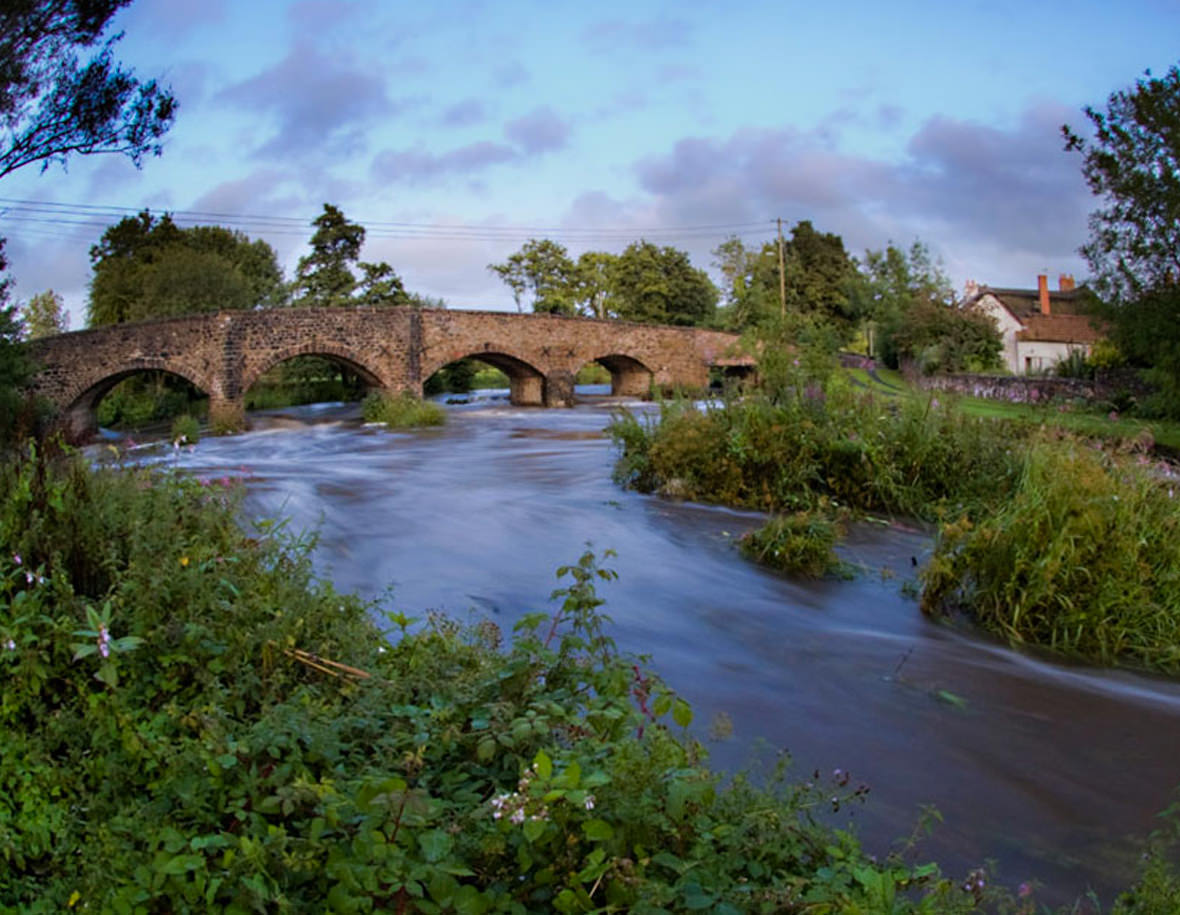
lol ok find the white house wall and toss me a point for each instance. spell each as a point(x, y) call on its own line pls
point(1040, 355)
point(1008, 326)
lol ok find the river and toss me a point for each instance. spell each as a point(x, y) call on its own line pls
point(1053, 771)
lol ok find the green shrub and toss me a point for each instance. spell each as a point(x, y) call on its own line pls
point(802, 543)
point(191, 722)
point(186, 430)
point(402, 411)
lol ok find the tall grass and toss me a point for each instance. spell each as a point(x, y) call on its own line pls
point(402, 411)
point(1082, 558)
point(831, 445)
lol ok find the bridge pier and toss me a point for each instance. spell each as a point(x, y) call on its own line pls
point(226, 414)
point(559, 389)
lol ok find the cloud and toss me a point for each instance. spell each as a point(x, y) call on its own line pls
point(539, 131)
point(510, 75)
point(174, 20)
point(619, 36)
point(321, 106)
point(986, 197)
point(464, 114)
point(418, 165)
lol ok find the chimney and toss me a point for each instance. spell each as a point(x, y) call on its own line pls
point(1043, 292)
point(1065, 282)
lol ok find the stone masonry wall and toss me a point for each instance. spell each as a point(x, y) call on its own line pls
point(224, 353)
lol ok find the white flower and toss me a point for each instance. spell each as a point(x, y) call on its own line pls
point(517, 816)
point(10, 645)
point(589, 802)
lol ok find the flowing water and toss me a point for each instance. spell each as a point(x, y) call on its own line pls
point(1052, 771)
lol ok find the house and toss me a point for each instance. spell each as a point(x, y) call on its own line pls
point(1039, 327)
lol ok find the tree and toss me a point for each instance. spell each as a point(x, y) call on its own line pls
point(889, 285)
point(15, 367)
point(661, 286)
point(1133, 164)
point(53, 105)
point(43, 315)
point(326, 278)
point(145, 268)
point(594, 284)
point(819, 275)
point(940, 337)
point(543, 269)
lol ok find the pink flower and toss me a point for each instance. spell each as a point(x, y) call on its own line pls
point(16, 558)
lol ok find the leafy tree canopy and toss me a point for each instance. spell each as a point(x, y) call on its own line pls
point(661, 286)
point(1132, 164)
point(542, 270)
point(819, 274)
point(889, 285)
point(326, 277)
point(145, 268)
point(44, 315)
point(945, 338)
point(15, 367)
point(54, 104)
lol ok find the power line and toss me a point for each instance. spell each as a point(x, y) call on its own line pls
point(96, 216)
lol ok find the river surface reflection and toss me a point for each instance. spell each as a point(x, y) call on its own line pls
point(1052, 771)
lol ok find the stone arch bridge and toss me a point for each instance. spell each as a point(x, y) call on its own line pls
point(223, 353)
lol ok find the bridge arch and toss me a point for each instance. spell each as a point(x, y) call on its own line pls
point(80, 414)
point(339, 355)
point(629, 376)
point(526, 383)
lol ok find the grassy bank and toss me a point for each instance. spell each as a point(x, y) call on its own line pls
point(1044, 538)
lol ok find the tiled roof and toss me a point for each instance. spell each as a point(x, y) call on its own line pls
point(1025, 302)
point(1058, 328)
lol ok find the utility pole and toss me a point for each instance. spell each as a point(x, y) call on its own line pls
point(782, 274)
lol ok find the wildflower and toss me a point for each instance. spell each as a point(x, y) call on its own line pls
point(29, 577)
point(16, 558)
point(104, 641)
point(10, 645)
point(517, 816)
point(184, 561)
point(1024, 890)
point(588, 803)
point(933, 403)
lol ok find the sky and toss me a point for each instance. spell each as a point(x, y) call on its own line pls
point(455, 131)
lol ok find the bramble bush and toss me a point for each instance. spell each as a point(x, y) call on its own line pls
point(191, 721)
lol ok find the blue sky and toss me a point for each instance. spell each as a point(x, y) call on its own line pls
point(457, 130)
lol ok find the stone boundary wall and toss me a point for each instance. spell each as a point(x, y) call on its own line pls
point(1035, 388)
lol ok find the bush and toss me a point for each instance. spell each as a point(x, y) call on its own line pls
point(192, 722)
point(402, 411)
point(186, 430)
point(802, 543)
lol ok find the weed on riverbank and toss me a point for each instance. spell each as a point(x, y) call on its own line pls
point(401, 411)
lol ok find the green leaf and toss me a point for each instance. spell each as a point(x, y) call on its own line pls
point(598, 830)
point(435, 844)
point(682, 713)
point(543, 764)
point(534, 829)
